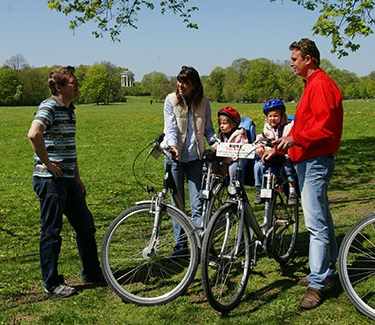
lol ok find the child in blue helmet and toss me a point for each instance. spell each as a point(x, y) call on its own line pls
point(276, 125)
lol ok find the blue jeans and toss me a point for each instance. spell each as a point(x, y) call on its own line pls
point(60, 196)
point(232, 170)
point(313, 176)
point(258, 172)
point(192, 170)
point(278, 167)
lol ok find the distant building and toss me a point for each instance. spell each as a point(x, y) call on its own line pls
point(127, 78)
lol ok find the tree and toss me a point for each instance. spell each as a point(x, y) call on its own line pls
point(100, 83)
point(366, 88)
point(35, 87)
point(342, 21)
point(95, 87)
point(372, 75)
point(16, 62)
point(112, 16)
point(214, 84)
point(232, 85)
point(156, 84)
point(290, 84)
point(136, 90)
point(10, 87)
point(261, 81)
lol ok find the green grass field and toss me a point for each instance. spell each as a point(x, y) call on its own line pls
point(108, 138)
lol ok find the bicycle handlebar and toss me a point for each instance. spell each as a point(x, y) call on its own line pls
point(236, 150)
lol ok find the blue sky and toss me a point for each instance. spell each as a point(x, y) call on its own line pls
point(228, 30)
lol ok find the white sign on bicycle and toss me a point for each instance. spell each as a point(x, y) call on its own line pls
point(236, 150)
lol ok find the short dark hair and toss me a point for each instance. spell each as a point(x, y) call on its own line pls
point(59, 77)
point(307, 47)
point(189, 74)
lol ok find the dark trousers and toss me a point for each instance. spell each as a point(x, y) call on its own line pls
point(60, 196)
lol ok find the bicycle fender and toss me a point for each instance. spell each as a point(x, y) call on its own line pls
point(188, 220)
point(143, 202)
point(177, 211)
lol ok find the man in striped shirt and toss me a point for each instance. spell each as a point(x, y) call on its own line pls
point(57, 183)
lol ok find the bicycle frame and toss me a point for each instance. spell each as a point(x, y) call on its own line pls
point(209, 180)
point(157, 203)
point(260, 231)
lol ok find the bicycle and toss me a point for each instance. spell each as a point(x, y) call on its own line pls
point(356, 262)
point(229, 249)
point(138, 258)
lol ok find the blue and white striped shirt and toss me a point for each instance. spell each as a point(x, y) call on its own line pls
point(59, 137)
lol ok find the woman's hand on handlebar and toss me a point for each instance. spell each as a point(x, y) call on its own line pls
point(174, 151)
point(214, 146)
point(260, 151)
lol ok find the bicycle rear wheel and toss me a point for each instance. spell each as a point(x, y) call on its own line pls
point(357, 265)
point(283, 234)
point(225, 271)
point(142, 275)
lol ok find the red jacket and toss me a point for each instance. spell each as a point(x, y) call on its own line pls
point(318, 122)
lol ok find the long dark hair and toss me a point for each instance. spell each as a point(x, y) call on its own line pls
point(190, 75)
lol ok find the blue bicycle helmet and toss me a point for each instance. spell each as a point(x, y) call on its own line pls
point(272, 105)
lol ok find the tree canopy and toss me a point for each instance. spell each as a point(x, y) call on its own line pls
point(16, 62)
point(111, 16)
point(243, 81)
point(343, 21)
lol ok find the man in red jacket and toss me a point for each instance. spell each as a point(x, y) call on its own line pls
point(312, 143)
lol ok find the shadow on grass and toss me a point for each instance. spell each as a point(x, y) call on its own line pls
point(26, 258)
point(355, 164)
point(8, 232)
point(15, 300)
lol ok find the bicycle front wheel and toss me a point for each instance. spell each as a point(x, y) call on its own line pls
point(145, 271)
point(218, 198)
point(357, 265)
point(225, 258)
point(285, 221)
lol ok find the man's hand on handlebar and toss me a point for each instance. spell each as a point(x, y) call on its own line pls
point(284, 143)
point(279, 147)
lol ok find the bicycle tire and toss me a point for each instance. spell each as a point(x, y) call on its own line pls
point(141, 279)
point(225, 277)
point(283, 234)
point(357, 265)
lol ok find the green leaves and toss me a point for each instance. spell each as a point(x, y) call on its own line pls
point(112, 16)
point(344, 21)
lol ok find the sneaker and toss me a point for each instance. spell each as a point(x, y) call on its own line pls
point(61, 291)
point(292, 198)
point(258, 199)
